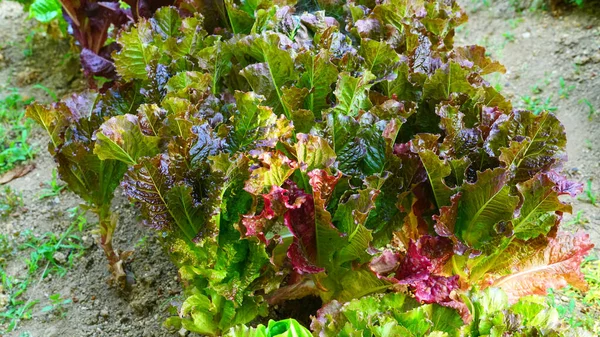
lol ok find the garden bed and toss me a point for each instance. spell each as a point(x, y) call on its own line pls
point(536, 48)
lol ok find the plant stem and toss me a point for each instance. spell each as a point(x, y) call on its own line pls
point(107, 229)
point(108, 224)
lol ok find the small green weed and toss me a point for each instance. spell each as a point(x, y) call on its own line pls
point(55, 187)
point(49, 248)
point(78, 216)
point(28, 51)
point(6, 248)
point(568, 311)
point(514, 23)
point(57, 305)
point(537, 88)
point(591, 110)
point(537, 105)
point(485, 41)
point(583, 308)
point(578, 220)
point(509, 36)
point(589, 193)
point(478, 3)
point(564, 91)
point(14, 131)
point(579, 3)
point(13, 101)
point(591, 271)
point(46, 90)
point(10, 202)
point(576, 69)
point(5, 245)
point(142, 242)
point(463, 30)
point(13, 308)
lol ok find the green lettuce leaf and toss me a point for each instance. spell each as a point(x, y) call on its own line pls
point(250, 120)
point(318, 76)
point(446, 80)
point(483, 205)
point(283, 328)
point(380, 57)
point(45, 10)
point(437, 171)
point(541, 209)
point(137, 52)
point(493, 315)
point(405, 317)
point(52, 119)
point(121, 138)
point(275, 70)
point(352, 94)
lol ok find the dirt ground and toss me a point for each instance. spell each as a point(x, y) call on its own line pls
point(537, 49)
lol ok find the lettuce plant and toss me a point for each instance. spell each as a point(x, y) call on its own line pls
point(329, 152)
point(92, 23)
point(71, 126)
point(493, 315)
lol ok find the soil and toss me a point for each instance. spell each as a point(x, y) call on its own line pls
point(51, 64)
point(542, 49)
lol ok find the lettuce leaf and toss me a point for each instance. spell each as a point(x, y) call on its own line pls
point(538, 266)
point(283, 328)
point(404, 317)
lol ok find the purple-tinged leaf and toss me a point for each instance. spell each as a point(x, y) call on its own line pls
point(386, 263)
point(535, 143)
point(414, 267)
point(565, 186)
point(300, 219)
point(274, 206)
point(420, 268)
point(436, 289)
point(474, 56)
point(96, 65)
